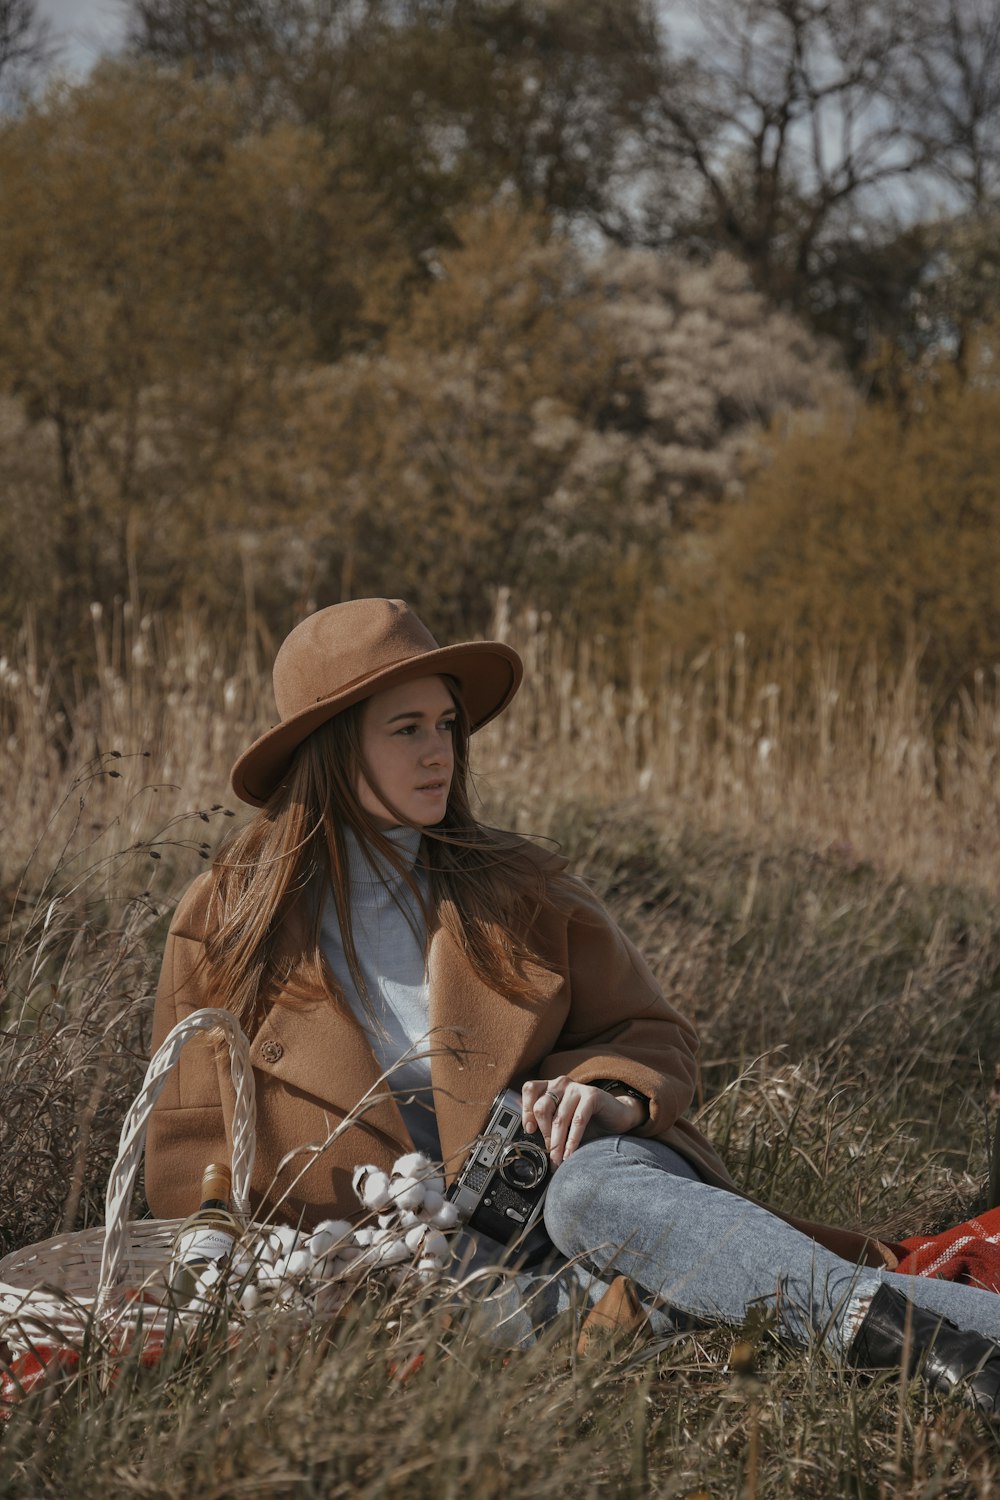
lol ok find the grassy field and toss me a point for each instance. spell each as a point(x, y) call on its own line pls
point(809, 863)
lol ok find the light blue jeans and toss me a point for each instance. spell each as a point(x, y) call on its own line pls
point(700, 1254)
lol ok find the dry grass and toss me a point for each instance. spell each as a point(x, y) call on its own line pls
point(847, 756)
point(812, 877)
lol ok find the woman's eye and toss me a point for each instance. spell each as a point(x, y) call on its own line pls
point(448, 725)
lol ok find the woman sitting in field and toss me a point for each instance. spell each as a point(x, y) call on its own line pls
point(364, 922)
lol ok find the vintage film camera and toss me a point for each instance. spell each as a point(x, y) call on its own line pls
point(500, 1190)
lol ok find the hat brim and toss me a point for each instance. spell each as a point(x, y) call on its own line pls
point(488, 674)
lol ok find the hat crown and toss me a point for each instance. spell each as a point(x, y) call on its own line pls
point(344, 644)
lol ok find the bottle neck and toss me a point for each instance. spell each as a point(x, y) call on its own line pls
point(216, 1185)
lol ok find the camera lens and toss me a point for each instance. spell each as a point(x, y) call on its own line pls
point(523, 1165)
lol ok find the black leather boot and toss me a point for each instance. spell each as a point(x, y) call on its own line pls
point(945, 1357)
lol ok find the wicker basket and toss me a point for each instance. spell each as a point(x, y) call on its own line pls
point(113, 1280)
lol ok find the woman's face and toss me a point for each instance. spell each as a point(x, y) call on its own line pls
point(406, 743)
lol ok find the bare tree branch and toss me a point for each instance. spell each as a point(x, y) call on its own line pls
point(26, 47)
point(949, 97)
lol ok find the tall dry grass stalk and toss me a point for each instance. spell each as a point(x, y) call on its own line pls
point(848, 754)
point(852, 755)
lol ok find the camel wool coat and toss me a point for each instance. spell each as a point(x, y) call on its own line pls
point(596, 1013)
point(599, 1014)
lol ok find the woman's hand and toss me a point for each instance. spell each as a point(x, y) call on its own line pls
point(562, 1110)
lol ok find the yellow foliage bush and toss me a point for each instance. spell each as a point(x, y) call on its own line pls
point(878, 526)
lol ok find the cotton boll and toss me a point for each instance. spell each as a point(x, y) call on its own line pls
point(286, 1236)
point(347, 1252)
point(407, 1192)
point(345, 1259)
point(299, 1263)
point(433, 1199)
point(446, 1216)
point(365, 1236)
point(415, 1237)
point(392, 1252)
point(413, 1164)
point(358, 1177)
point(241, 1265)
point(249, 1298)
point(408, 1218)
point(386, 1220)
point(375, 1192)
point(323, 1239)
point(337, 1229)
point(435, 1244)
point(334, 1264)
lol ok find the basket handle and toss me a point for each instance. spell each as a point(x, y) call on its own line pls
point(133, 1135)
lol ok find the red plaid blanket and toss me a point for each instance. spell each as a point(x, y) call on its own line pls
point(970, 1253)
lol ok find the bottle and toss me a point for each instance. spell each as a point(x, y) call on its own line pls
point(207, 1237)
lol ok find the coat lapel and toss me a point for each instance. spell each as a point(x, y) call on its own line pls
point(482, 1040)
point(479, 1041)
point(316, 1048)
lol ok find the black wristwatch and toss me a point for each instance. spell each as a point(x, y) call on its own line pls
point(615, 1086)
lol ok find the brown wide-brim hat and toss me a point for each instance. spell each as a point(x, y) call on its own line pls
point(345, 653)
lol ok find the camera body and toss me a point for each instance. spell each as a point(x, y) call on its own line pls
point(500, 1191)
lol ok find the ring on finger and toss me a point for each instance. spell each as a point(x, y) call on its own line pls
point(556, 1100)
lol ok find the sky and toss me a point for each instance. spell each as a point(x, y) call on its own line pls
point(84, 29)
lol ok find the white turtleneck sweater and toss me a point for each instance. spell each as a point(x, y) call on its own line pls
point(390, 945)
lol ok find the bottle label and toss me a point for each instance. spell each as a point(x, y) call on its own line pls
point(204, 1245)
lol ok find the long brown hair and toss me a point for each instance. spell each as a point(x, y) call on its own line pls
point(486, 886)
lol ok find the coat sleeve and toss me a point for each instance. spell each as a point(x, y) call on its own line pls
point(619, 1024)
point(187, 1128)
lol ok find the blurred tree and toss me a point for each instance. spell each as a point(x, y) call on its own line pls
point(215, 36)
point(702, 366)
point(159, 264)
point(822, 142)
point(811, 138)
point(948, 93)
point(949, 96)
point(439, 102)
point(771, 129)
point(879, 527)
point(412, 469)
point(962, 298)
point(26, 49)
point(536, 419)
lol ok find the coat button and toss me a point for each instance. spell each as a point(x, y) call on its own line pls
point(271, 1052)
